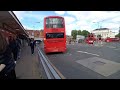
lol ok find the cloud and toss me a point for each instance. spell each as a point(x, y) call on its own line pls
point(80, 20)
point(29, 11)
point(69, 19)
point(69, 28)
point(27, 28)
point(28, 14)
point(19, 14)
point(60, 12)
point(85, 19)
point(111, 26)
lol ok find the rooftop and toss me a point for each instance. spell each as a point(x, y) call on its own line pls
point(101, 29)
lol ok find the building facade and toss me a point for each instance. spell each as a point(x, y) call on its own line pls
point(36, 34)
point(104, 32)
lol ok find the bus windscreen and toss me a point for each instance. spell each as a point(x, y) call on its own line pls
point(54, 35)
point(54, 23)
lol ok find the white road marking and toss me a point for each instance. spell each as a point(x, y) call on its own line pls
point(117, 49)
point(88, 53)
point(110, 46)
point(98, 45)
point(100, 65)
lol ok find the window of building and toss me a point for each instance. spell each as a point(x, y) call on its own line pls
point(32, 34)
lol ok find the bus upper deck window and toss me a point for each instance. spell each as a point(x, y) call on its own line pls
point(54, 23)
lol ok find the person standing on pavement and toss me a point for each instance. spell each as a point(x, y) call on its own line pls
point(18, 41)
point(7, 64)
point(32, 45)
point(14, 47)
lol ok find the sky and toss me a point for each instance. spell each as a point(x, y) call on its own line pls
point(74, 20)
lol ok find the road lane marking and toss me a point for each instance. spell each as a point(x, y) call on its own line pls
point(117, 49)
point(88, 53)
point(99, 65)
point(110, 46)
point(98, 45)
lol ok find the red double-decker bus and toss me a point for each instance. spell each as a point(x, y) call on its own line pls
point(90, 38)
point(54, 34)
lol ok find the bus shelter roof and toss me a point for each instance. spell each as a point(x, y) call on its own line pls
point(9, 22)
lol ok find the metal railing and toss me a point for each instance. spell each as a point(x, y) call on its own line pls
point(50, 70)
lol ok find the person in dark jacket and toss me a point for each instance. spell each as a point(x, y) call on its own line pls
point(32, 45)
point(7, 64)
point(14, 47)
point(18, 41)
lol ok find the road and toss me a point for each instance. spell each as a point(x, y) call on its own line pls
point(83, 61)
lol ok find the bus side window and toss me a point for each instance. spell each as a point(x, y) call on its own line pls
point(47, 25)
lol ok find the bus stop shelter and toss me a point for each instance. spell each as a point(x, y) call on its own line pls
point(9, 22)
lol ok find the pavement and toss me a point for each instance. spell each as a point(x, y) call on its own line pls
point(28, 67)
point(83, 61)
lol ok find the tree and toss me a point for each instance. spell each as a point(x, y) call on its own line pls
point(74, 34)
point(118, 35)
point(79, 32)
point(85, 33)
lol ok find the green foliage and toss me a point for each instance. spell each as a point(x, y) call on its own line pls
point(74, 33)
point(79, 32)
point(85, 33)
point(118, 35)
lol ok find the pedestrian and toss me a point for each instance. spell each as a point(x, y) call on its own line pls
point(14, 47)
point(100, 40)
point(18, 41)
point(70, 41)
point(32, 45)
point(7, 64)
point(29, 40)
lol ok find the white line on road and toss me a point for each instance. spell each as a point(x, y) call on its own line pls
point(117, 49)
point(110, 46)
point(98, 45)
point(88, 53)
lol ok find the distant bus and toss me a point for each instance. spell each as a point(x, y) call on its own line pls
point(112, 39)
point(54, 34)
point(90, 38)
